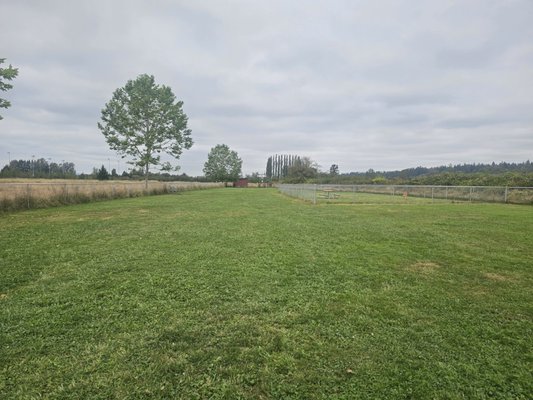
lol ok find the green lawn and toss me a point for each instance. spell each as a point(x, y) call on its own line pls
point(245, 293)
point(375, 198)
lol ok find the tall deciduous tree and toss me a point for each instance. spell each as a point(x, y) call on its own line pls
point(6, 74)
point(223, 164)
point(143, 120)
point(302, 170)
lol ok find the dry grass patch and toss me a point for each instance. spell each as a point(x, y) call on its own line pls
point(497, 277)
point(477, 291)
point(30, 194)
point(424, 267)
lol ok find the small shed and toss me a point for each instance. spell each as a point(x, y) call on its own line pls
point(241, 183)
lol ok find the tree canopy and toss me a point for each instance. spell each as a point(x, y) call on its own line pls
point(334, 170)
point(223, 164)
point(302, 170)
point(6, 74)
point(143, 120)
point(102, 174)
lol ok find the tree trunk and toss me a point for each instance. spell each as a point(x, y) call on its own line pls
point(146, 177)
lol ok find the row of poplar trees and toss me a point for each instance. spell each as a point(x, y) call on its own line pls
point(278, 165)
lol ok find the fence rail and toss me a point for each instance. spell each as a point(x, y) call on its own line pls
point(19, 195)
point(407, 193)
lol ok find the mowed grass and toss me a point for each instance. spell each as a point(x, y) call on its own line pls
point(236, 293)
point(376, 198)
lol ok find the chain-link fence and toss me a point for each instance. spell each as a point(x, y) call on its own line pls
point(390, 194)
point(18, 195)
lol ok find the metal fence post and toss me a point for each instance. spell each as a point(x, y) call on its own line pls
point(506, 192)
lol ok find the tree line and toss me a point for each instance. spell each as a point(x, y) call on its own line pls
point(39, 168)
point(493, 174)
point(297, 169)
point(524, 179)
point(223, 165)
point(492, 168)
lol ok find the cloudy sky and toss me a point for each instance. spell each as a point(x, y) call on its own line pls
point(382, 84)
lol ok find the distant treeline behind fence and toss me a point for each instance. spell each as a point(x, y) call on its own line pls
point(16, 196)
point(407, 193)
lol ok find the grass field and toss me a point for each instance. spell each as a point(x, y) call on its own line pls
point(374, 198)
point(236, 293)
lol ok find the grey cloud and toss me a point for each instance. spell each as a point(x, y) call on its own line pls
point(469, 122)
point(413, 99)
point(403, 118)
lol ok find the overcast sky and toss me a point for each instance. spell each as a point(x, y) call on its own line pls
point(382, 84)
